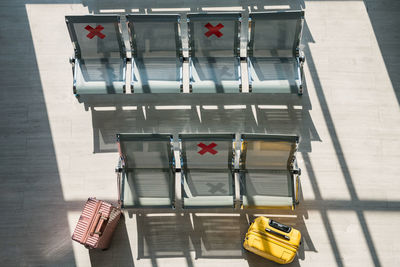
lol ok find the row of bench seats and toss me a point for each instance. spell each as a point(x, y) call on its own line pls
point(209, 170)
point(273, 57)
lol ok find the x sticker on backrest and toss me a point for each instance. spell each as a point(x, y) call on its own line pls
point(207, 148)
point(96, 31)
point(213, 30)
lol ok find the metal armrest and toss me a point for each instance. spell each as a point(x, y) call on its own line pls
point(74, 74)
point(119, 170)
point(296, 182)
point(244, 68)
point(240, 73)
point(300, 60)
point(249, 75)
point(190, 74)
point(178, 190)
point(185, 76)
point(302, 57)
point(238, 202)
point(297, 189)
point(72, 62)
point(125, 69)
point(132, 75)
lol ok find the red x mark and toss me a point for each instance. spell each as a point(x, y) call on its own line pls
point(213, 30)
point(96, 31)
point(207, 148)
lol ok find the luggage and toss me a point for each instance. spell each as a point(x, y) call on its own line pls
point(96, 224)
point(272, 240)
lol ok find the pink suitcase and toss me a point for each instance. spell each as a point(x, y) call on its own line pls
point(96, 224)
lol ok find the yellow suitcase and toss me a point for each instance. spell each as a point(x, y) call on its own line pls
point(272, 240)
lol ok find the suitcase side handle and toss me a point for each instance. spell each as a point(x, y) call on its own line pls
point(276, 233)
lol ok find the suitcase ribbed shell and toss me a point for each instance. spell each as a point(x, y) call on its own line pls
point(272, 246)
point(93, 207)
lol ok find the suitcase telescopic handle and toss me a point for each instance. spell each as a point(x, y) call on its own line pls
point(98, 223)
point(276, 233)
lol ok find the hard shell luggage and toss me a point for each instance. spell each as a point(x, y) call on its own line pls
point(96, 224)
point(272, 240)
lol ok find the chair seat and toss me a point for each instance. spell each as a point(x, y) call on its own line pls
point(208, 201)
point(267, 188)
point(274, 75)
point(263, 202)
point(215, 75)
point(208, 188)
point(100, 76)
point(148, 188)
point(157, 75)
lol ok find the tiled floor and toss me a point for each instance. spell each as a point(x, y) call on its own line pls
point(54, 153)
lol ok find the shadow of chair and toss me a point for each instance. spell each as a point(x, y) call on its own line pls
point(219, 236)
point(164, 236)
point(119, 253)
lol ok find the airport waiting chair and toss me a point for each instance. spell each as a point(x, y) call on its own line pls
point(207, 170)
point(147, 171)
point(214, 49)
point(99, 62)
point(269, 176)
point(156, 53)
point(275, 62)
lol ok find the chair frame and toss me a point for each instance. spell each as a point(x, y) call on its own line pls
point(123, 169)
point(230, 162)
point(70, 20)
point(132, 40)
point(297, 53)
point(236, 45)
point(236, 164)
point(292, 165)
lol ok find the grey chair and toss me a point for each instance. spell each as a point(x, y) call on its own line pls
point(269, 172)
point(275, 62)
point(156, 53)
point(207, 170)
point(214, 49)
point(147, 170)
point(99, 62)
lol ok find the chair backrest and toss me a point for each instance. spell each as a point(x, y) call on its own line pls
point(146, 151)
point(207, 151)
point(155, 35)
point(275, 34)
point(214, 35)
point(96, 36)
point(268, 152)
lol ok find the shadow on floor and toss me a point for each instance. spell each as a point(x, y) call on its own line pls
point(344, 167)
point(207, 234)
point(34, 229)
point(385, 20)
point(119, 253)
point(219, 236)
point(164, 236)
point(205, 113)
